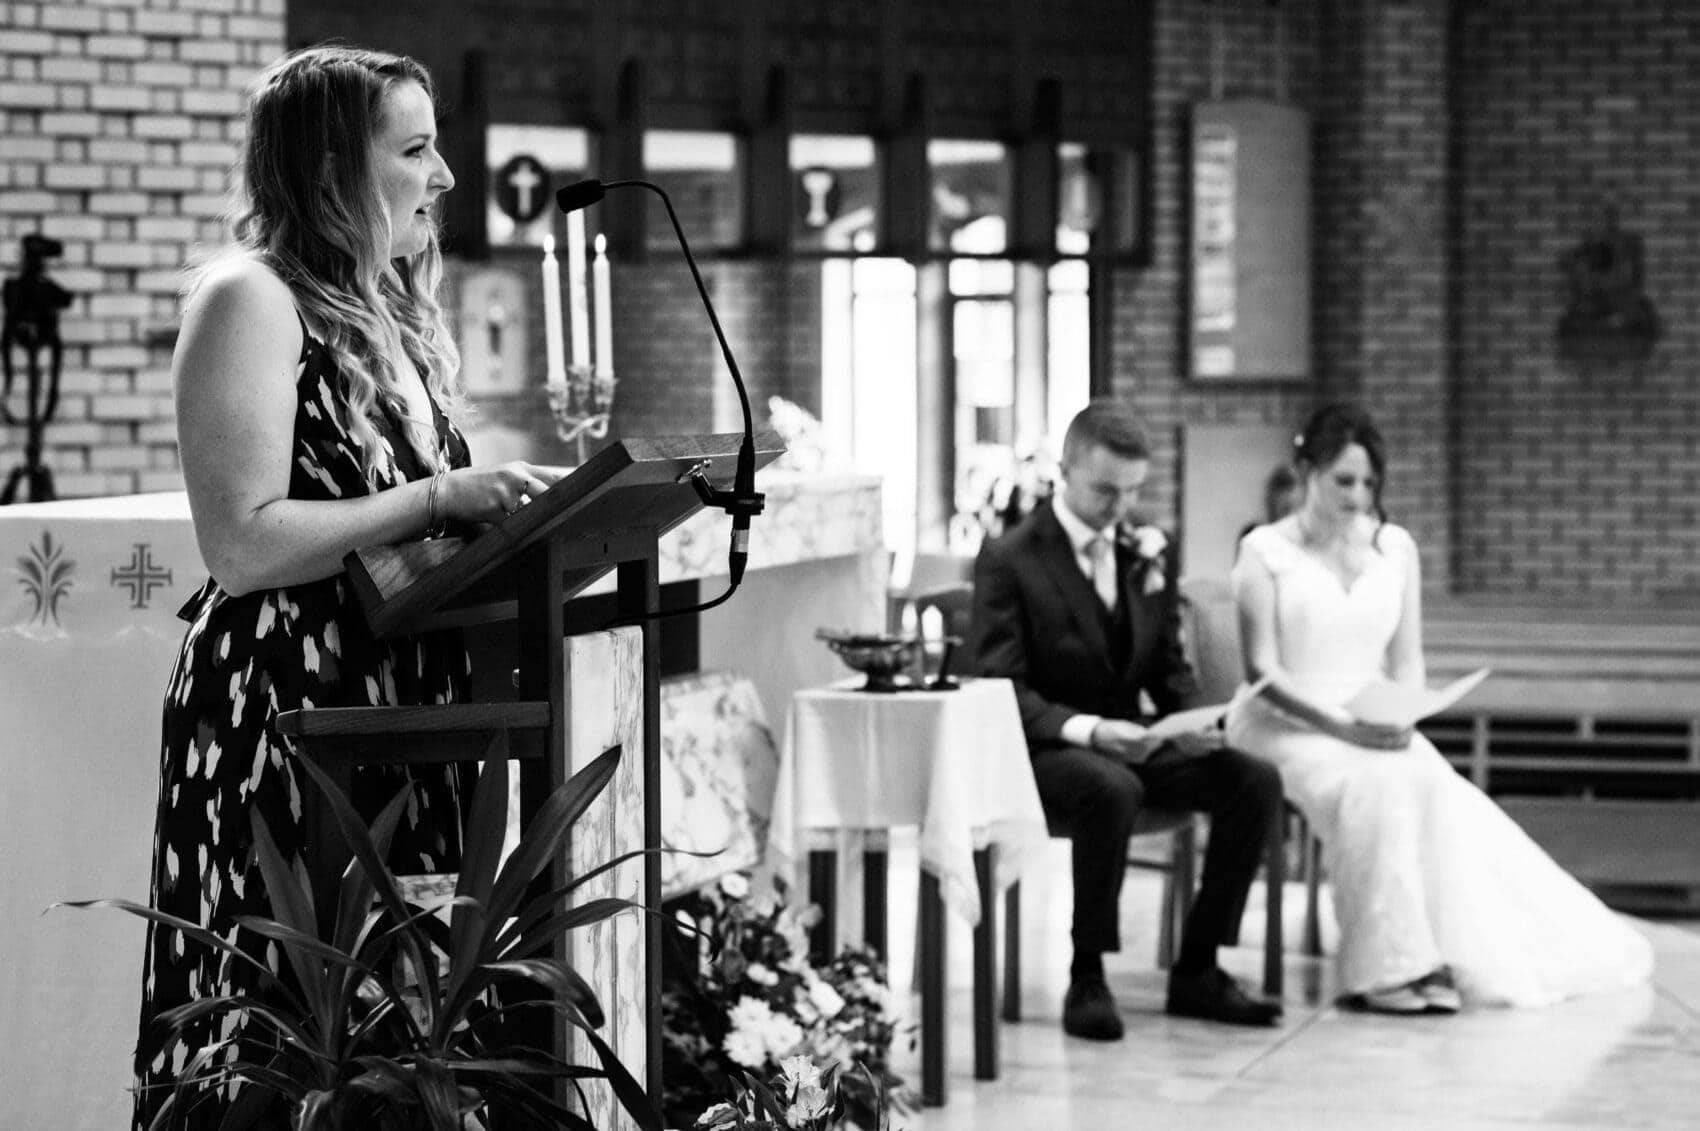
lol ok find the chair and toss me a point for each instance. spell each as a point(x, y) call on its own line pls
point(1209, 624)
point(1180, 878)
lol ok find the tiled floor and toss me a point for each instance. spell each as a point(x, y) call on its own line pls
point(1629, 1060)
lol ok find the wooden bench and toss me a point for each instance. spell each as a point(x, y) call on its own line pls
point(1587, 732)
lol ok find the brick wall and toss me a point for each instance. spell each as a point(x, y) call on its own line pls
point(1149, 334)
point(1373, 80)
point(120, 123)
point(1577, 481)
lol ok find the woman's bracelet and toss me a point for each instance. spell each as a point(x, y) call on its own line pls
point(435, 526)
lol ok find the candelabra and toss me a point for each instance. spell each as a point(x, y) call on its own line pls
point(582, 405)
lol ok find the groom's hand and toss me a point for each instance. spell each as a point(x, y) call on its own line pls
point(1123, 740)
point(1196, 743)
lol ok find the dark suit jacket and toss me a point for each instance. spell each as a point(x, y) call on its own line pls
point(1039, 624)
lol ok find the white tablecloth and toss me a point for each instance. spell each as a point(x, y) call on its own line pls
point(953, 763)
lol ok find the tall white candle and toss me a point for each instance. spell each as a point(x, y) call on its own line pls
point(604, 315)
point(576, 287)
point(556, 373)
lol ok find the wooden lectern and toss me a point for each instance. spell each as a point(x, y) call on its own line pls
point(570, 699)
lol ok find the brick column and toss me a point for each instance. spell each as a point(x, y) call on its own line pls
point(1382, 189)
point(121, 124)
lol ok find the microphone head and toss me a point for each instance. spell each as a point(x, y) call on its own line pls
point(580, 194)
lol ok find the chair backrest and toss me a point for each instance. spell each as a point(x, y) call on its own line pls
point(1210, 624)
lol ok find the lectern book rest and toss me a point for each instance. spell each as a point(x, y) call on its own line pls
point(630, 485)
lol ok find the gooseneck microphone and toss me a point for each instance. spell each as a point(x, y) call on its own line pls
point(743, 501)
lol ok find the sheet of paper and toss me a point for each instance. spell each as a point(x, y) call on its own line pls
point(1189, 721)
point(1397, 704)
point(1202, 718)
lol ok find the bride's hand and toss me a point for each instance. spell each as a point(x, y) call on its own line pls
point(490, 493)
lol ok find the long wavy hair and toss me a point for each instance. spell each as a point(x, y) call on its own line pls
point(309, 207)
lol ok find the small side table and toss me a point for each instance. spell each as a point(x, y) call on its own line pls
point(951, 763)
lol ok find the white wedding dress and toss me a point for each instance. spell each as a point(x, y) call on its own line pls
point(1425, 868)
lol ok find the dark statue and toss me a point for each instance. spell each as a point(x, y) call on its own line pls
point(1607, 308)
point(33, 302)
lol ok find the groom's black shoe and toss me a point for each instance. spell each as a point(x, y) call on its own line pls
point(1089, 1011)
point(1213, 996)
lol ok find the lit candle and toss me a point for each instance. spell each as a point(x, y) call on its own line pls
point(576, 285)
point(604, 318)
point(556, 373)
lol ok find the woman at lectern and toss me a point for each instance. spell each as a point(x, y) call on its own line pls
point(314, 410)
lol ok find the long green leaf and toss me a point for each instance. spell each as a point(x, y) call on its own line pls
point(765, 1099)
point(540, 1107)
point(194, 931)
point(438, 1093)
point(360, 843)
point(559, 977)
point(538, 844)
point(629, 1092)
point(306, 944)
point(354, 892)
point(539, 907)
point(293, 908)
point(177, 1018)
point(486, 829)
point(542, 838)
point(538, 938)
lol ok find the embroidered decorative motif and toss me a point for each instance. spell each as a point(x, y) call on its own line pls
point(141, 576)
point(46, 576)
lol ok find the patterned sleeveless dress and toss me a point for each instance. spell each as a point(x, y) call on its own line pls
point(243, 660)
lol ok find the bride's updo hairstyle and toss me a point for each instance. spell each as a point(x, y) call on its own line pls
point(1329, 432)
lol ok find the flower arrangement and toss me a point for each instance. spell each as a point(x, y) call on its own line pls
point(744, 1004)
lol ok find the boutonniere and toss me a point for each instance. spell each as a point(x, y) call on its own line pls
point(1150, 548)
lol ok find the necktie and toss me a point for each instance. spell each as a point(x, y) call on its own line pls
point(1103, 557)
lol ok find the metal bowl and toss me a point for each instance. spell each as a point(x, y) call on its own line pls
point(879, 656)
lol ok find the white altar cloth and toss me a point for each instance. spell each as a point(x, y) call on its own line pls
point(953, 763)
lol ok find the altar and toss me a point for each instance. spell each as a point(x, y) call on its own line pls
point(88, 630)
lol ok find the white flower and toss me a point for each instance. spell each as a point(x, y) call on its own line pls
point(782, 1035)
point(761, 975)
point(736, 885)
point(800, 1071)
point(1149, 544)
point(745, 1047)
point(826, 999)
point(758, 1034)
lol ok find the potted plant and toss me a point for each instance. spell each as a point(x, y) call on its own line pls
point(391, 1018)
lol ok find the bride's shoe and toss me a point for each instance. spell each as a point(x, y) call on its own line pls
point(1403, 1000)
point(1437, 991)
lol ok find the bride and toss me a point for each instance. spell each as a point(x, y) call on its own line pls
point(1441, 898)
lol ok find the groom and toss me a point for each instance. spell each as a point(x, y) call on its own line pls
point(1080, 613)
